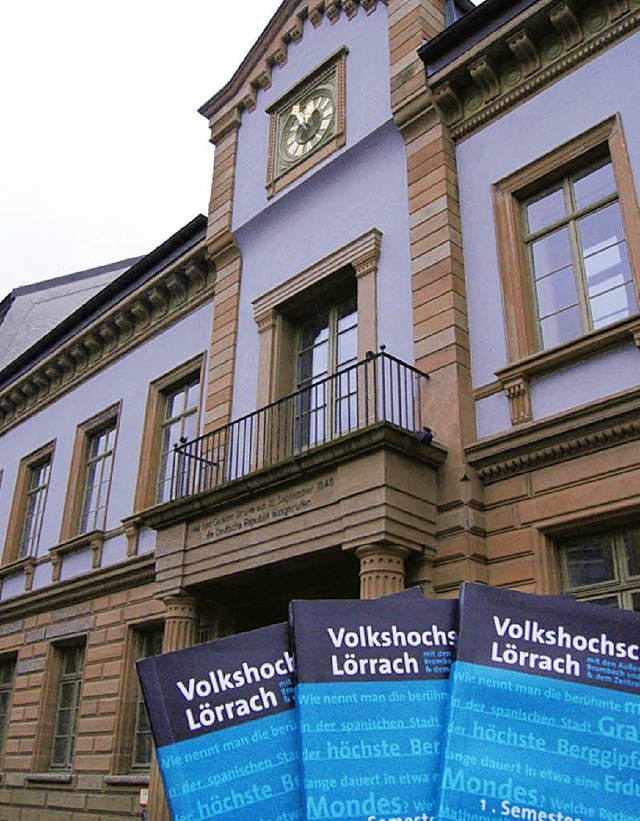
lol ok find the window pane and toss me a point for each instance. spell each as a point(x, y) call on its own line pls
point(606, 601)
point(608, 268)
point(635, 601)
point(193, 395)
point(556, 292)
point(631, 540)
point(34, 511)
point(561, 327)
point(601, 229)
point(551, 253)
point(590, 561)
point(593, 185)
point(314, 331)
point(97, 479)
point(613, 305)
point(71, 664)
point(545, 210)
point(347, 348)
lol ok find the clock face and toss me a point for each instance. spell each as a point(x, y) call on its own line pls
point(306, 124)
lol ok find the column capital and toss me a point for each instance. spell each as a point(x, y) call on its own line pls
point(381, 569)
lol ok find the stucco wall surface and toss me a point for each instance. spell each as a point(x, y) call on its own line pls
point(362, 186)
point(580, 100)
point(126, 381)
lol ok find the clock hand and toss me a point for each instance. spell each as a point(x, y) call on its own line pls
point(302, 120)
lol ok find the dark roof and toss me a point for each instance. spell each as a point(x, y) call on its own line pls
point(143, 269)
point(468, 30)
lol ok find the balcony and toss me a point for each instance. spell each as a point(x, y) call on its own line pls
point(378, 389)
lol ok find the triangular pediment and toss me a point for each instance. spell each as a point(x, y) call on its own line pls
point(284, 31)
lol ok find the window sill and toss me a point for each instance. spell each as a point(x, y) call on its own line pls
point(130, 779)
point(574, 351)
point(49, 778)
point(93, 540)
point(16, 565)
point(515, 378)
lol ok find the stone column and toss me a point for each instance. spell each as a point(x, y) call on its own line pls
point(381, 569)
point(180, 630)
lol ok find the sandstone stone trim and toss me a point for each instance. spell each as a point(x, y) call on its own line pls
point(382, 435)
point(131, 573)
point(560, 438)
point(381, 569)
point(176, 291)
point(94, 541)
point(525, 55)
point(241, 93)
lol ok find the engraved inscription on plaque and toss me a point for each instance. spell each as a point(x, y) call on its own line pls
point(273, 508)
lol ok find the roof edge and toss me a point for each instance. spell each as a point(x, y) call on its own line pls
point(254, 55)
point(132, 277)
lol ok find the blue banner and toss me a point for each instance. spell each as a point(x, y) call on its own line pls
point(245, 771)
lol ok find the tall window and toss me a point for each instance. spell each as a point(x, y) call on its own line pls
point(7, 673)
point(97, 478)
point(578, 255)
point(150, 645)
point(29, 500)
point(172, 413)
point(567, 231)
point(604, 568)
point(327, 347)
point(178, 423)
point(90, 474)
point(68, 701)
point(36, 497)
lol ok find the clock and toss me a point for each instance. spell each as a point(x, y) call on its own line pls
point(307, 123)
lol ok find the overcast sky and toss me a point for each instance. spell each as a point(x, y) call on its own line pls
point(103, 153)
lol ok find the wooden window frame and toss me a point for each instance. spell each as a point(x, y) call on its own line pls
point(525, 358)
point(124, 737)
point(20, 500)
point(77, 473)
point(150, 446)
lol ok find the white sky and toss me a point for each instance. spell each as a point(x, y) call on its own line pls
point(103, 153)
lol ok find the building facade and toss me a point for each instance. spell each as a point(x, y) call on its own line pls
point(401, 349)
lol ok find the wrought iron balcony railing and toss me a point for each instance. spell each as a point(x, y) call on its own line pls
point(379, 388)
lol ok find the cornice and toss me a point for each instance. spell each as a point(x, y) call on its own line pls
point(362, 252)
point(132, 573)
point(286, 29)
point(570, 435)
point(178, 289)
point(528, 53)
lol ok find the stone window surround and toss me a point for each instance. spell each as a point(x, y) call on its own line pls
point(525, 360)
point(40, 769)
point(19, 503)
point(362, 254)
point(145, 495)
point(77, 470)
point(121, 760)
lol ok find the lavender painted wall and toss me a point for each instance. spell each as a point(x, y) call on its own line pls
point(362, 186)
point(579, 101)
point(368, 104)
point(126, 381)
